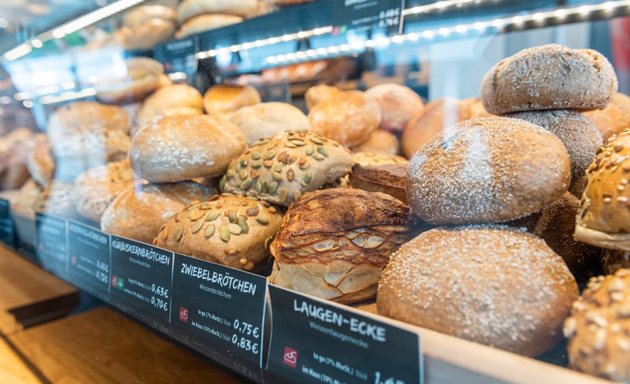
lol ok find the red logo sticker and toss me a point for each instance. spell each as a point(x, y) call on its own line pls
point(183, 314)
point(290, 357)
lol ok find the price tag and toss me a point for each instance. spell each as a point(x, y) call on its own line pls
point(141, 281)
point(52, 243)
point(7, 230)
point(220, 312)
point(89, 263)
point(179, 55)
point(367, 14)
point(313, 341)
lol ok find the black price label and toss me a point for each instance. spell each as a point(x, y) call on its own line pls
point(141, 280)
point(7, 230)
point(316, 342)
point(89, 263)
point(368, 14)
point(179, 55)
point(52, 243)
point(220, 312)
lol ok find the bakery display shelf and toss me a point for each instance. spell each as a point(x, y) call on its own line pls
point(251, 332)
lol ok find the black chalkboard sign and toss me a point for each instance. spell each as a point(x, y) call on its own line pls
point(52, 243)
point(179, 55)
point(220, 312)
point(141, 281)
point(89, 259)
point(368, 14)
point(315, 342)
point(7, 229)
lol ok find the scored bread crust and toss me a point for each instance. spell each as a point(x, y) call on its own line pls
point(389, 178)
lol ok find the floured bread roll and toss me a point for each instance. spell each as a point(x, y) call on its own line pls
point(334, 243)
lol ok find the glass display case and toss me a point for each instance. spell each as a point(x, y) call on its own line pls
point(336, 191)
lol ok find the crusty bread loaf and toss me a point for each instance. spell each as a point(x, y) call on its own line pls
point(185, 147)
point(390, 179)
point(598, 328)
point(614, 118)
point(191, 8)
point(334, 243)
point(142, 77)
point(492, 285)
point(141, 14)
point(348, 118)
point(604, 216)
point(206, 22)
point(86, 117)
point(282, 168)
point(549, 77)
point(140, 211)
point(398, 105)
point(380, 141)
point(487, 169)
point(371, 158)
point(265, 120)
point(173, 100)
point(222, 99)
point(229, 230)
point(319, 93)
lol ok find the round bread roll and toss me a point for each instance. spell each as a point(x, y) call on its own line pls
point(173, 100)
point(598, 328)
point(224, 99)
point(334, 243)
point(348, 119)
point(86, 117)
point(492, 285)
point(184, 147)
point(142, 77)
point(433, 119)
point(282, 168)
point(390, 179)
point(207, 22)
point(379, 141)
point(24, 202)
point(229, 230)
point(95, 189)
point(146, 35)
point(191, 8)
point(40, 162)
point(264, 120)
point(140, 211)
point(57, 199)
point(398, 105)
point(485, 170)
point(556, 224)
point(604, 216)
point(549, 77)
point(14, 148)
point(144, 13)
point(319, 93)
point(614, 118)
point(367, 159)
point(580, 137)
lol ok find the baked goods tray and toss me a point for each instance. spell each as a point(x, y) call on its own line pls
point(265, 333)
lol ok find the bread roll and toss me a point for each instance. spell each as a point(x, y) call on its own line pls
point(371, 158)
point(348, 118)
point(334, 243)
point(282, 168)
point(264, 120)
point(379, 141)
point(95, 189)
point(86, 117)
point(577, 133)
point(146, 35)
point(142, 77)
point(14, 149)
point(229, 230)
point(492, 285)
point(191, 8)
point(319, 93)
point(173, 100)
point(614, 118)
point(144, 13)
point(389, 179)
point(604, 216)
point(598, 328)
point(57, 199)
point(140, 211)
point(433, 119)
point(24, 202)
point(487, 169)
point(549, 77)
point(184, 147)
point(224, 99)
point(556, 224)
point(40, 162)
point(398, 105)
point(207, 22)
